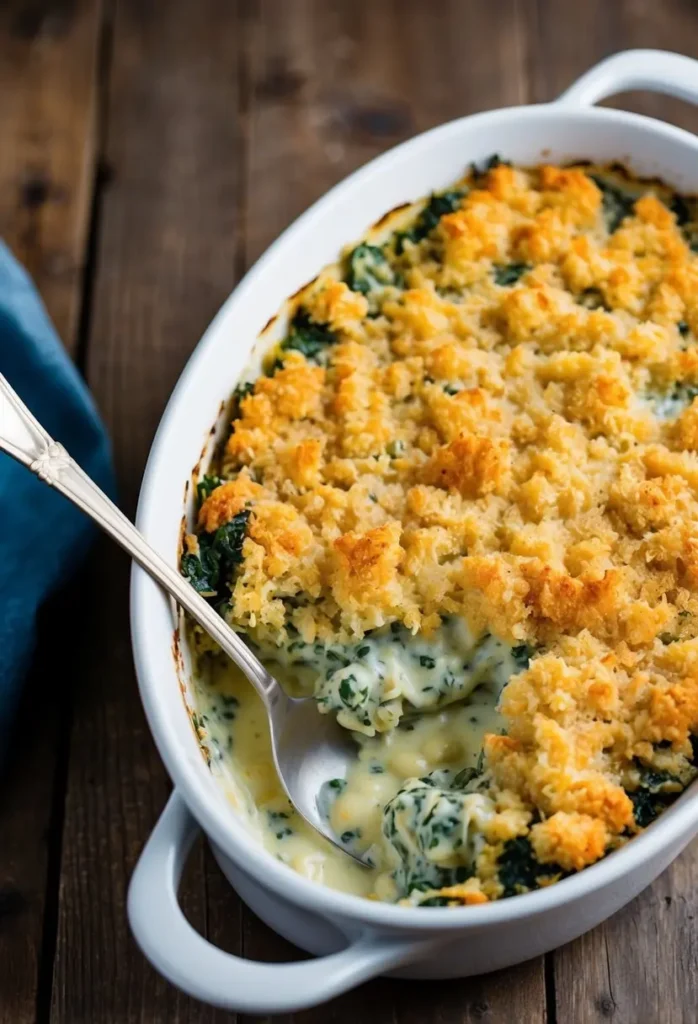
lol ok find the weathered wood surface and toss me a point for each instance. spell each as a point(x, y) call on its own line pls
point(219, 122)
point(48, 101)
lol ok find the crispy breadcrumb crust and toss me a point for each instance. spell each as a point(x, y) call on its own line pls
point(490, 451)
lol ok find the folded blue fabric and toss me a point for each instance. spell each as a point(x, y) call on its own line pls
point(42, 536)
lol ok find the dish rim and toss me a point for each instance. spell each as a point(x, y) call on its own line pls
point(192, 777)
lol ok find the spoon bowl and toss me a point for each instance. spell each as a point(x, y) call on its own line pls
point(309, 749)
point(296, 726)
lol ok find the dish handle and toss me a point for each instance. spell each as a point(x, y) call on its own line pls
point(202, 970)
point(656, 70)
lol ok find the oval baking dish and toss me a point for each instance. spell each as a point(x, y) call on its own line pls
point(358, 938)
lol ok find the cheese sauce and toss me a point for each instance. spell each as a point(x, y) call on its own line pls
point(369, 811)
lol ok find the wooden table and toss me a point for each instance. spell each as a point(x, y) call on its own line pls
point(149, 151)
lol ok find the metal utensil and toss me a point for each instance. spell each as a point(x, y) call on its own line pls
point(308, 748)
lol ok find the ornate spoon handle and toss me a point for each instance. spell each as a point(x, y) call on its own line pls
point(23, 437)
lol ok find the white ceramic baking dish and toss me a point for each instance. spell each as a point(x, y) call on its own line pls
point(355, 938)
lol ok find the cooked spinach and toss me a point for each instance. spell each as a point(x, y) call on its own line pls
point(395, 449)
point(436, 208)
point(351, 694)
point(651, 797)
point(647, 806)
point(240, 392)
point(684, 209)
point(687, 392)
point(220, 553)
point(308, 337)
point(202, 570)
point(206, 486)
point(467, 775)
point(592, 298)
point(281, 831)
point(522, 654)
point(350, 835)
point(436, 901)
point(682, 328)
point(518, 868)
point(510, 273)
point(489, 165)
point(679, 207)
point(369, 271)
point(617, 205)
point(668, 404)
point(652, 779)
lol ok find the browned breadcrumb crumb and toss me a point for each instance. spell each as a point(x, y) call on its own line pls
point(492, 456)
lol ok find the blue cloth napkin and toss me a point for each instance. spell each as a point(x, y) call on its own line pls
point(43, 538)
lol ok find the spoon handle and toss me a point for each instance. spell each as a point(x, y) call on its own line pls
point(23, 437)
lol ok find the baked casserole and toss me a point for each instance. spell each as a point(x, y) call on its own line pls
point(460, 506)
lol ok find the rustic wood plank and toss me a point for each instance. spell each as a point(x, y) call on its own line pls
point(48, 84)
point(641, 966)
point(48, 76)
point(330, 86)
point(166, 258)
point(333, 85)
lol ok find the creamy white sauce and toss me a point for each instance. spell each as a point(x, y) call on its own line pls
point(370, 684)
point(383, 807)
point(667, 405)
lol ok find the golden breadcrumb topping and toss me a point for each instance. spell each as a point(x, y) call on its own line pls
point(496, 420)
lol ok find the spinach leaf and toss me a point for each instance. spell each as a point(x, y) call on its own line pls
point(350, 835)
point(489, 165)
point(202, 570)
point(683, 393)
point(522, 654)
point(464, 777)
point(206, 486)
point(650, 798)
point(436, 901)
point(240, 392)
point(436, 208)
point(369, 270)
point(617, 205)
point(308, 337)
point(679, 207)
point(648, 806)
point(518, 868)
point(682, 328)
point(220, 554)
point(592, 298)
point(229, 538)
point(510, 273)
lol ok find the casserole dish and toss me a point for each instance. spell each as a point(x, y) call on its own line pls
point(358, 938)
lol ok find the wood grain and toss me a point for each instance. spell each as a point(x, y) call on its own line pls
point(165, 259)
point(48, 85)
point(226, 118)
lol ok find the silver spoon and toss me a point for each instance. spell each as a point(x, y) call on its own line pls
point(308, 748)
